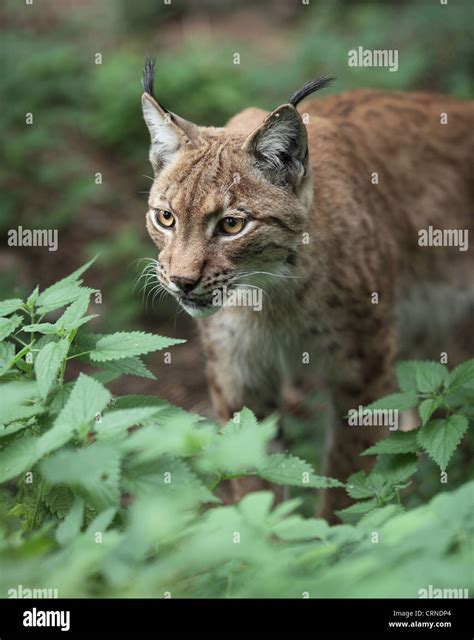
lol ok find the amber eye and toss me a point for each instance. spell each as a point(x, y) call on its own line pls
point(164, 218)
point(231, 225)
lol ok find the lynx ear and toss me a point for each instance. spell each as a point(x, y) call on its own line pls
point(168, 132)
point(280, 146)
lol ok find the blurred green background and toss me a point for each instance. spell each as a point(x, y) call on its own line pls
point(87, 120)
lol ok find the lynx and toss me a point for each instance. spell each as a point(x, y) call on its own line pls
point(320, 211)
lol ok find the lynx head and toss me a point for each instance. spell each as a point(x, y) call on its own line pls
point(226, 209)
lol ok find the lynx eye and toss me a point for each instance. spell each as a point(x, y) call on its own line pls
point(163, 218)
point(230, 225)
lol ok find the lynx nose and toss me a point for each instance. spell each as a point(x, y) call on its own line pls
point(185, 284)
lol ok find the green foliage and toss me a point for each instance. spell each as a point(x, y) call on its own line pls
point(72, 457)
point(430, 387)
point(120, 496)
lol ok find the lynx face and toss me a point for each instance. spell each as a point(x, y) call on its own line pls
point(226, 210)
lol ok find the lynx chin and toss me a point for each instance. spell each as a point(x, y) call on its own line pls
point(306, 225)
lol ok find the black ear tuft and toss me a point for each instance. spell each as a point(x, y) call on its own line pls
point(149, 76)
point(310, 87)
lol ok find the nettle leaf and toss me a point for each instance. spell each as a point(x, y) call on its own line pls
point(71, 282)
point(240, 446)
point(33, 297)
point(72, 317)
point(430, 376)
point(7, 353)
point(297, 528)
point(70, 527)
point(129, 366)
point(167, 475)
point(18, 457)
point(282, 510)
point(399, 442)
point(461, 375)
point(10, 306)
point(87, 398)
point(92, 472)
point(116, 423)
point(125, 344)
point(42, 327)
point(428, 407)
point(14, 427)
point(285, 469)
point(173, 432)
point(102, 521)
point(398, 469)
point(356, 511)
point(359, 485)
point(60, 297)
point(399, 401)
point(16, 401)
point(376, 518)
point(406, 375)
point(440, 438)
point(139, 401)
point(59, 500)
point(9, 325)
point(47, 364)
point(255, 507)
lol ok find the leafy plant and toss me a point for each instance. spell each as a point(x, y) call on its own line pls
point(429, 387)
point(121, 496)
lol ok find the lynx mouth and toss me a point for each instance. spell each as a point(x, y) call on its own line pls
point(198, 307)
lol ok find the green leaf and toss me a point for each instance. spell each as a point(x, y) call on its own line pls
point(47, 364)
point(428, 407)
point(9, 325)
point(376, 518)
point(297, 528)
point(430, 376)
point(290, 470)
point(397, 469)
point(256, 506)
point(18, 457)
point(59, 500)
point(43, 327)
point(15, 401)
point(167, 475)
point(138, 401)
point(72, 282)
point(7, 353)
point(125, 344)
point(461, 375)
point(102, 522)
point(70, 527)
point(406, 375)
point(60, 297)
point(356, 511)
point(33, 297)
point(116, 423)
point(439, 438)
point(241, 445)
point(399, 442)
point(93, 472)
point(173, 432)
point(10, 306)
point(127, 366)
point(87, 398)
point(73, 316)
point(399, 401)
point(359, 485)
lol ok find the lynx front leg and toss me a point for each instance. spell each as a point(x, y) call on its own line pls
point(364, 372)
point(241, 377)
